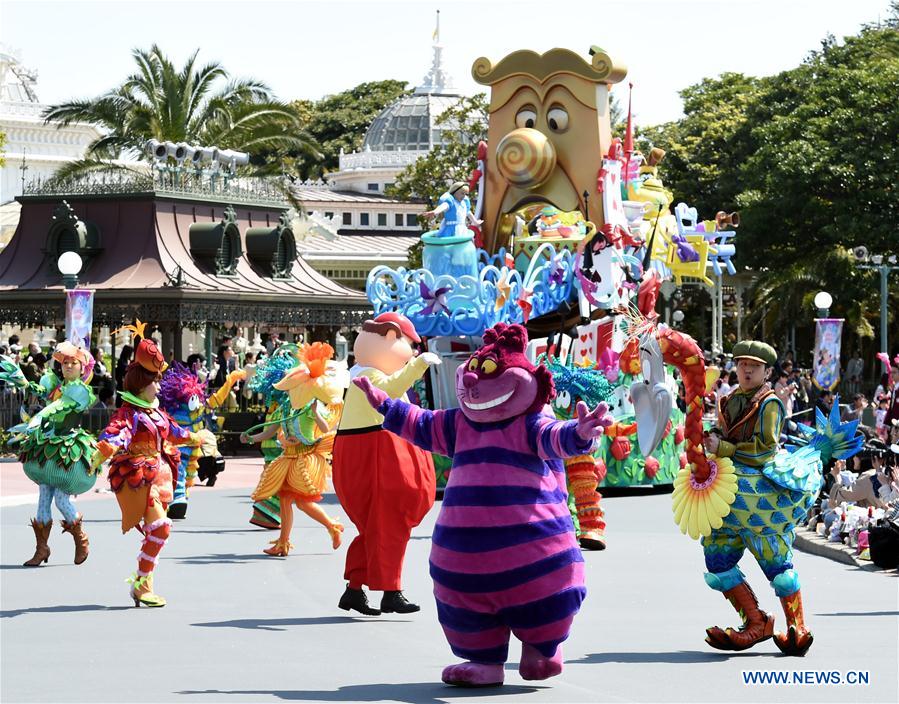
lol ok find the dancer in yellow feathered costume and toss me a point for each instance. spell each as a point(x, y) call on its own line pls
point(315, 390)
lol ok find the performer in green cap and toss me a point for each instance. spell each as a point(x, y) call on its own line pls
point(773, 494)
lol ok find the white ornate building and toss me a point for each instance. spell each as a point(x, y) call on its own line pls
point(33, 149)
point(402, 132)
point(373, 227)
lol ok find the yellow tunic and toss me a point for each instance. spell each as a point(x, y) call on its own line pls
point(357, 413)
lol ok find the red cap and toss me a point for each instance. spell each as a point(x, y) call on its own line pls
point(405, 325)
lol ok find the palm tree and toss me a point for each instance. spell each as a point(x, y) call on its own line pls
point(197, 105)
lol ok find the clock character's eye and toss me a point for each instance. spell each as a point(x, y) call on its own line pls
point(557, 119)
point(526, 117)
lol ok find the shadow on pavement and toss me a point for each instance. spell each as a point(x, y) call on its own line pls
point(272, 624)
point(228, 558)
point(680, 656)
point(861, 613)
point(63, 609)
point(411, 692)
point(220, 531)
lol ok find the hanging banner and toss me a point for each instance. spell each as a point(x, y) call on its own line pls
point(828, 336)
point(79, 316)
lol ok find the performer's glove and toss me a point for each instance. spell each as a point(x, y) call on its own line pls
point(591, 424)
point(373, 394)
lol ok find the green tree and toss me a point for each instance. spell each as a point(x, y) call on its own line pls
point(340, 121)
point(810, 158)
point(196, 104)
point(706, 149)
point(465, 124)
point(2, 148)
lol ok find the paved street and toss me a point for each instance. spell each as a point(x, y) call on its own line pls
point(241, 626)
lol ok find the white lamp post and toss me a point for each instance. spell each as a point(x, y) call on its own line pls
point(823, 301)
point(678, 317)
point(69, 265)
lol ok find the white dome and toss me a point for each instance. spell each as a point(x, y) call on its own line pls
point(409, 124)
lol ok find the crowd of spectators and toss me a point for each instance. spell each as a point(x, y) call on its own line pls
point(106, 379)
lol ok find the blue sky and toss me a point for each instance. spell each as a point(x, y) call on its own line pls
point(308, 49)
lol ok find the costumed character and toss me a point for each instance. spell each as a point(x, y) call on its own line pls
point(747, 494)
point(504, 556)
point(450, 249)
point(300, 474)
point(140, 440)
point(183, 396)
point(385, 484)
point(455, 206)
point(55, 451)
point(267, 512)
point(583, 473)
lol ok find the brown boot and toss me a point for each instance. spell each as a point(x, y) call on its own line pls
point(757, 625)
point(82, 544)
point(798, 639)
point(41, 536)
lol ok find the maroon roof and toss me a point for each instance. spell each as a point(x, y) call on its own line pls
point(145, 240)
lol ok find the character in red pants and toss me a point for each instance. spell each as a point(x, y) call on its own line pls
point(385, 484)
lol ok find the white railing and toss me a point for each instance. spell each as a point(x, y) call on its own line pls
point(392, 159)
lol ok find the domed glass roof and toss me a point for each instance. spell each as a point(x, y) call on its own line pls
point(409, 124)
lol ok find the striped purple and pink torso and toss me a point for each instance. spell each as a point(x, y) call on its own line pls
point(504, 554)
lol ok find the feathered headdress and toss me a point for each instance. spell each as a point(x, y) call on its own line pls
point(833, 439)
point(146, 354)
point(177, 386)
point(587, 384)
point(269, 372)
point(316, 377)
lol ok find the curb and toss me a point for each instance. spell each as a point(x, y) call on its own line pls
point(815, 544)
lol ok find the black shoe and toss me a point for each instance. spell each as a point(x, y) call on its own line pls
point(178, 510)
point(356, 600)
point(396, 603)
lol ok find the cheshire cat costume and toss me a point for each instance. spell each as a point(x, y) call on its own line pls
point(55, 451)
point(504, 556)
point(183, 396)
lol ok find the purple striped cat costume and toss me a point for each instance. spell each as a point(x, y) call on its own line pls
point(505, 558)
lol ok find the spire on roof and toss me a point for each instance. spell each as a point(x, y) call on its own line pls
point(437, 80)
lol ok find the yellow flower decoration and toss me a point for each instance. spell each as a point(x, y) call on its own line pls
point(700, 508)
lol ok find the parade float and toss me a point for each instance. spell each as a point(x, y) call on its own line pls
point(570, 228)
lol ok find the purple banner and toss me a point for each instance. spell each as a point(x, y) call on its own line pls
point(828, 337)
point(79, 316)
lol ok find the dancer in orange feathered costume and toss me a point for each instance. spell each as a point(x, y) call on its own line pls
point(300, 475)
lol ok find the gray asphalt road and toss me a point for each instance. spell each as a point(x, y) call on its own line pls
point(241, 626)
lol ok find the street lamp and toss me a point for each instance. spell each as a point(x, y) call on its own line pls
point(678, 317)
point(69, 265)
point(884, 267)
point(823, 301)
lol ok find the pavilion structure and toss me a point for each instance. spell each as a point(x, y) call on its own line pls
point(180, 256)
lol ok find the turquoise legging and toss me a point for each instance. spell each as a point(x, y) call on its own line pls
point(63, 503)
